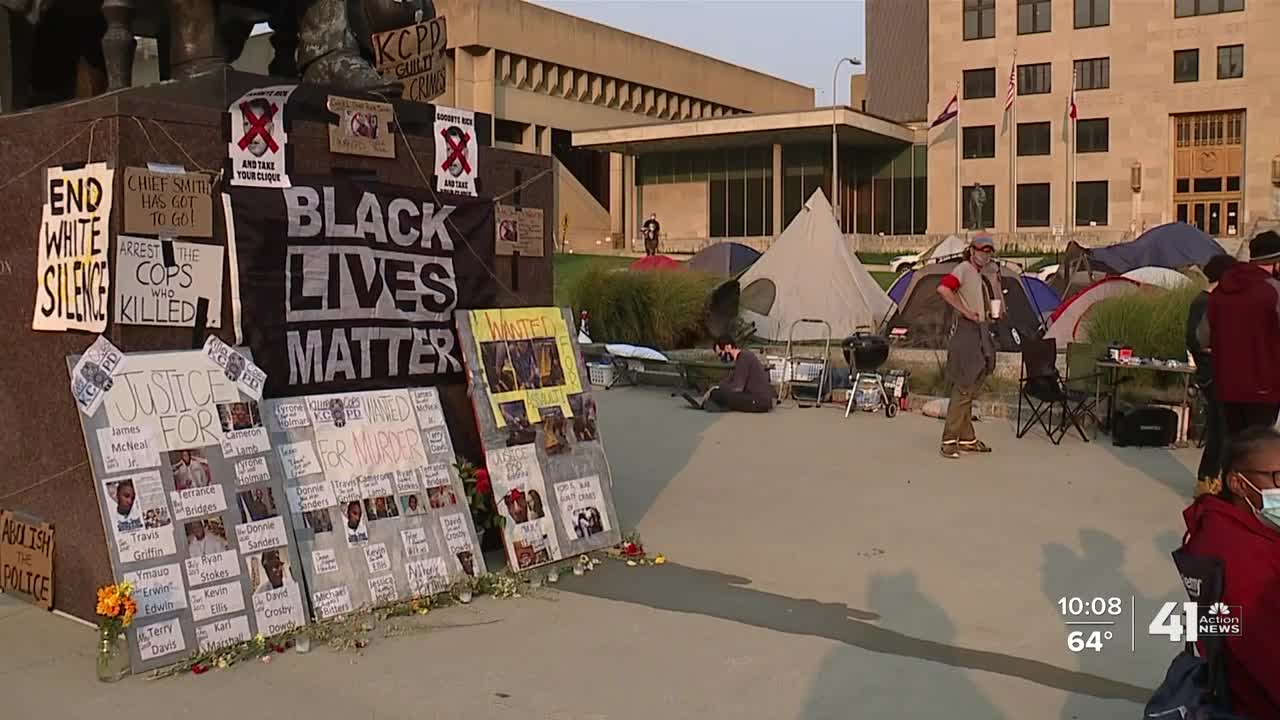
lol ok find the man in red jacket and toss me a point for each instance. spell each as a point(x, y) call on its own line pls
point(1244, 334)
point(1240, 527)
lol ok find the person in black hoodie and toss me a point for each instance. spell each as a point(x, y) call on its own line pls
point(1215, 426)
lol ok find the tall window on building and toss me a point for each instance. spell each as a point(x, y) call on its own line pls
point(1033, 139)
point(979, 141)
point(1033, 205)
point(1035, 79)
point(1093, 13)
point(980, 83)
point(1230, 62)
point(1093, 135)
point(1208, 163)
point(1091, 203)
point(1093, 74)
point(979, 19)
point(1186, 65)
point(1188, 8)
point(1035, 16)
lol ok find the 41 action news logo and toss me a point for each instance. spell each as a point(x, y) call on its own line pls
point(1195, 622)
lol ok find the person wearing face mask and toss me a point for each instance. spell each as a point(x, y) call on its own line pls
point(748, 388)
point(971, 356)
point(1239, 526)
point(1243, 329)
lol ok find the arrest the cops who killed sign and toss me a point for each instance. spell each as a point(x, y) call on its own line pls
point(257, 148)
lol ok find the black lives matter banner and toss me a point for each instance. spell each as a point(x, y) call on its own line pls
point(344, 286)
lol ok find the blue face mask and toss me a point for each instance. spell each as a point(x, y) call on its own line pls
point(1269, 513)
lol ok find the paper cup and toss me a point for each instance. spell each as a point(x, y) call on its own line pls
point(997, 306)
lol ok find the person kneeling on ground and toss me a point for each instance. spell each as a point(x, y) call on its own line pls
point(1240, 527)
point(747, 389)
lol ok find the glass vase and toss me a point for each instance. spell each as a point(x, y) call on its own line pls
point(113, 656)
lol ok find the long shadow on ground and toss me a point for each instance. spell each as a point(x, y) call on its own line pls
point(703, 592)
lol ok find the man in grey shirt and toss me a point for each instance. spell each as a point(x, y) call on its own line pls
point(748, 388)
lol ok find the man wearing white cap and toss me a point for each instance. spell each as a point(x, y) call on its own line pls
point(969, 289)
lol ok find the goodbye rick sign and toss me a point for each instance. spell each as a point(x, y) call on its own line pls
point(192, 503)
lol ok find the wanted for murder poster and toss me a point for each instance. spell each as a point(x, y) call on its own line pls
point(193, 507)
point(340, 286)
point(380, 511)
point(258, 137)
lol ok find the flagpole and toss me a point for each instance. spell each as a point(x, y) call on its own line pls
point(1013, 152)
point(1066, 169)
point(959, 195)
point(1075, 113)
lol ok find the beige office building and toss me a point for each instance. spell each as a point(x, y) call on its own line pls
point(1178, 111)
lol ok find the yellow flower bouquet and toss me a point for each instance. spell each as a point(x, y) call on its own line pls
point(115, 609)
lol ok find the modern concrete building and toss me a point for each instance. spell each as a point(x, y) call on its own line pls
point(743, 178)
point(1178, 106)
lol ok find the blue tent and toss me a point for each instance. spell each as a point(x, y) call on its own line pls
point(898, 290)
point(724, 259)
point(1172, 245)
point(1043, 298)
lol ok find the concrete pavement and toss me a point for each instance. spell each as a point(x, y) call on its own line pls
point(819, 568)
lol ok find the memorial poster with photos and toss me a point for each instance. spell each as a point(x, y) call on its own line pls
point(379, 509)
point(193, 506)
point(537, 421)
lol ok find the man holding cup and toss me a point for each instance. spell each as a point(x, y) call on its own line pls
point(971, 357)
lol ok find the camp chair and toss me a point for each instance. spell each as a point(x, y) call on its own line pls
point(1043, 391)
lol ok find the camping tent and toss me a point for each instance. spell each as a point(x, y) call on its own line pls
point(1158, 276)
point(1043, 299)
point(656, 262)
point(725, 259)
point(810, 272)
point(924, 320)
point(1172, 245)
point(1067, 323)
point(952, 246)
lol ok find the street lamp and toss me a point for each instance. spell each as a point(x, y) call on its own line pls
point(835, 143)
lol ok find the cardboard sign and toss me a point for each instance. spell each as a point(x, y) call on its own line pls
point(150, 291)
point(168, 204)
point(73, 274)
point(26, 558)
point(415, 56)
point(519, 231)
point(363, 128)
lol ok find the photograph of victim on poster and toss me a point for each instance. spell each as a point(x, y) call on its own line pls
point(498, 369)
point(555, 431)
point(441, 497)
point(381, 508)
point(257, 504)
point(318, 521)
point(137, 503)
point(271, 570)
point(519, 430)
point(190, 469)
point(206, 537)
point(584, 417)
point(467, 560)
point(239, 416)
point(581, 506)
point(355, 527)
point(412, 505)
point(520, 490)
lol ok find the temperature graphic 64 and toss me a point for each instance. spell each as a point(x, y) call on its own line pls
point(1080, 640)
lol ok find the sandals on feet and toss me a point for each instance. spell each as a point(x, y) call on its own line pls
point(949, 451)
point(974, 446)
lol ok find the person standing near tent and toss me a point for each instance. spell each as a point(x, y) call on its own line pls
point(971, 355)
point(1215, 427)
point(651, 228)
point(1243, 331)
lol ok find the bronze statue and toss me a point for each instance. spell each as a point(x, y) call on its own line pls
point(977, 199)
point(320, 41)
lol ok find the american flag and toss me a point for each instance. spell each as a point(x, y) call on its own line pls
point(1072, 110)
point(1013, 84)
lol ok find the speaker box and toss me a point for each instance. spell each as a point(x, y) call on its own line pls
point(1148, 426)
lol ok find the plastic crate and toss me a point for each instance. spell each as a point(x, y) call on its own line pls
point(601, 375)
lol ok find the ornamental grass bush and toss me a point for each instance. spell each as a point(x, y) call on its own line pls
point(665, 310)
point(1152, 322)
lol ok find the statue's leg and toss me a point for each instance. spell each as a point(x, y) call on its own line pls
point(118, 43)
point(284, 41)
point(195, 46)
point(328, 53)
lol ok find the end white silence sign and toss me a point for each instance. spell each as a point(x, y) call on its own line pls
point(73, 275)
point(151, 291)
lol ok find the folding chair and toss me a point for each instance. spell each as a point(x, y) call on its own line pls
point(1043, 391)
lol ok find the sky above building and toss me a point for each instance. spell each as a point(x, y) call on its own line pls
point(797, 40)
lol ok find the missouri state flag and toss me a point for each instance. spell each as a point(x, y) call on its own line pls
point(951, 110)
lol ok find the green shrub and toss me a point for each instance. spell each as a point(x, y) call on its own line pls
point(657, 309)
point(1153, 322)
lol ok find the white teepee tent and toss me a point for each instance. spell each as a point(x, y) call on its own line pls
point(810, 273)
